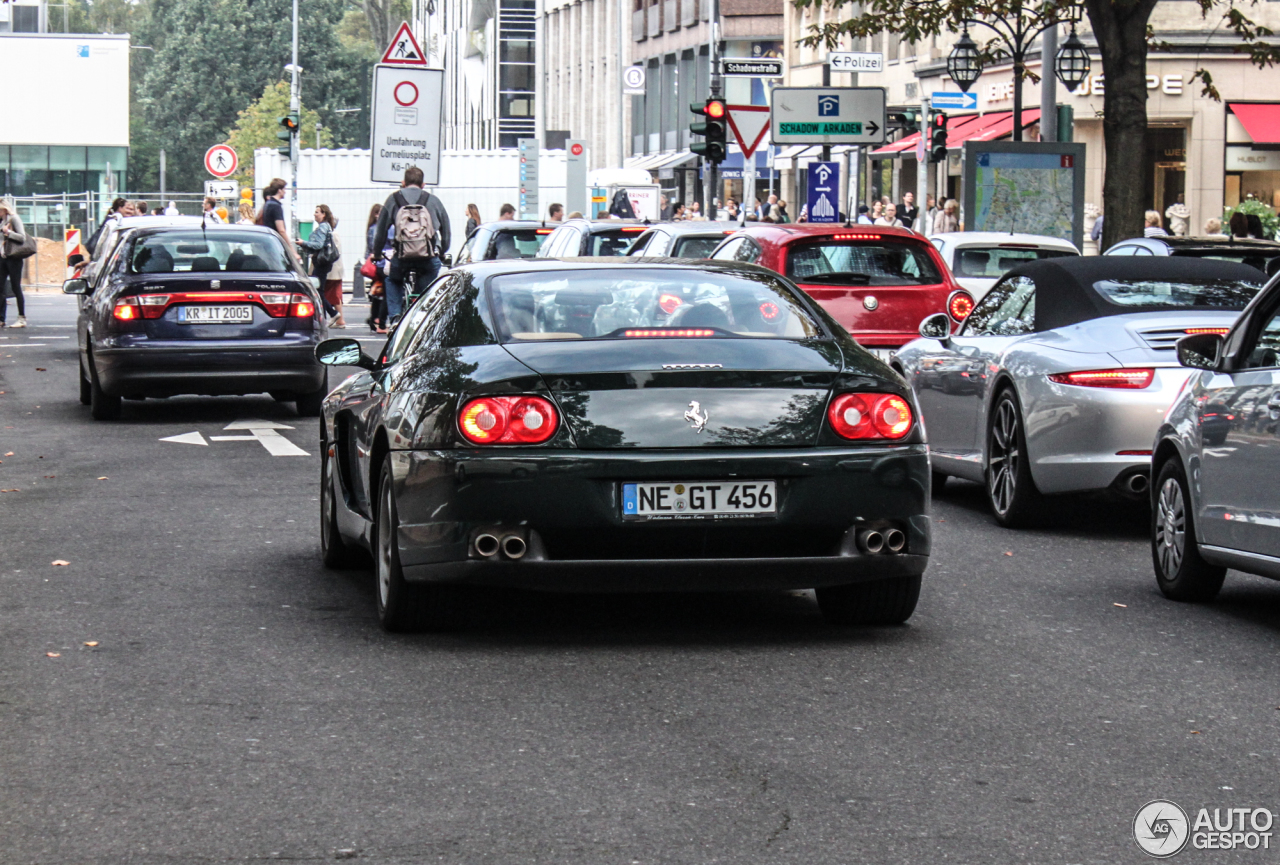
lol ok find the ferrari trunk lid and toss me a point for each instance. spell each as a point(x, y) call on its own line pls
point(687, 393)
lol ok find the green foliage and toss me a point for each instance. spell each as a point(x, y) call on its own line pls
point(258, 124)
point(1253, 207)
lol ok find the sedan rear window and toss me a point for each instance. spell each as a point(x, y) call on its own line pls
point(518, 243)
point(598, 304)
point(993, 262)
point(835, 262)
point(695, 247)
point(214, 252)
point(609, 243)
point(1184, 294)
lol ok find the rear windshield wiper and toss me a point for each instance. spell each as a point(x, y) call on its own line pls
point(845, 277)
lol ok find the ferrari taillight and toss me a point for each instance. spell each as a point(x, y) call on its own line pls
point(870, 416)
point(959, 305)
point(1131, 379)
point(508, 420)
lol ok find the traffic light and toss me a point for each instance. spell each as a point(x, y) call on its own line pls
point(714, 145)
point(289, 128)
point(908, 119)
point(938, 137)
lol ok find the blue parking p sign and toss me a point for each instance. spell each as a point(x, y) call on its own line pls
point(829, 105)
point(824, 192)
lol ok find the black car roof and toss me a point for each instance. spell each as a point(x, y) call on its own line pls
point(1064, 286)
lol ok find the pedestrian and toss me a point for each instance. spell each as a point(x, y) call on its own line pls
point(473, 218)
point(246, 212)
point(1255, 226)
point(930, 214)
point(172, 209)
point(113, 213)
point(577, 214)
point(273, 210)
point(665, 208)
point(908, 212)
point(129, 209)
point(1096, 234)
point(864, 217)
point(506, 213)
point(209, 212)
point(1213, 227)
point(782, 211)
point(731, 210)
point(889, 217)
point(328, 271)
point(555, 213)
point(141, 208)
point(421, 236)
point(1239, 225)
point(15, 247)
point(1152, 227)
point(877, 210)
point(377, 320)
point(948, 220)
point(695, 211)
point(678, 215)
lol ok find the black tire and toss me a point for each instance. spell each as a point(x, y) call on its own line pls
point(881, 602)
point(334, 551)
point(86, 386)
point(1011, 491)
point(310, 404)
point(1181, 573)
point(401, 606)
point(101, 405)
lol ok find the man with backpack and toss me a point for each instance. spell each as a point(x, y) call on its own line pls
point(418, 225)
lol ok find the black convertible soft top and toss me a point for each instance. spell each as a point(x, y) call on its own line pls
point(1065, 292)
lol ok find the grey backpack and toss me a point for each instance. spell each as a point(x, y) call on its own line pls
point(415, 237)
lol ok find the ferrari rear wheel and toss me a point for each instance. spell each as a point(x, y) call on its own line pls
point(1011, 491)
point(880, 602)
point(1181, 573)
point(401, 606)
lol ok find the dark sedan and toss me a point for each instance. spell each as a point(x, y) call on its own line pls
point(624, 425)
point(222, 310)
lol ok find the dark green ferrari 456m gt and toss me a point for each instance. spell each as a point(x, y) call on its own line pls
point(627, 426)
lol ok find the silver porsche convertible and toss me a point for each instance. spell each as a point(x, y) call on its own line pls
point(1059, 378)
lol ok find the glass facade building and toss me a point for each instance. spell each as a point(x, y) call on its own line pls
point(37, 169)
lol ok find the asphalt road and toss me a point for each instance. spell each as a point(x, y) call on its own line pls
point(240, 702)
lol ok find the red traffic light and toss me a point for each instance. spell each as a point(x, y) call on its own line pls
point(939, 120)
point(715, 108)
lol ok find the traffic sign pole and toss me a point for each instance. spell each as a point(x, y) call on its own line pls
point(922, 172)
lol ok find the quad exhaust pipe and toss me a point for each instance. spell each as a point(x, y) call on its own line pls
point(512, 546)
point(874, 541)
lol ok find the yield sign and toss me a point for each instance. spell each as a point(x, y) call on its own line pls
point(749, 124)
point(404, 49)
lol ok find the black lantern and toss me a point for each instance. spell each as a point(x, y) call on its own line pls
point(1073, 62)
point(964, 64)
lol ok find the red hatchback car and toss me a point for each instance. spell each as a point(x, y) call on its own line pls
point(878, 282)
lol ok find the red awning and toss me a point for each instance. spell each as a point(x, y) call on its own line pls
point(966, 127)
point(1262, 122)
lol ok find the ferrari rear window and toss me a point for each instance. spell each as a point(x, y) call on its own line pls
point(835, 262)
point(1184, 294)
point(196, 251)
point(604, 304)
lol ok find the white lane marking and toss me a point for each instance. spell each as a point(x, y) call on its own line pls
point(192, 438)
point(265, 433)
point(24, 344)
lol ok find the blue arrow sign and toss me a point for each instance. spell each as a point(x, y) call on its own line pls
point(964, 101)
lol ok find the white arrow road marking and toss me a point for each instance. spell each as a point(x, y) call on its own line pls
point(193, 438)
point(264, 431)
point(256, 425)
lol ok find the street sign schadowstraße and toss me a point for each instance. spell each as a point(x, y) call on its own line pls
point(751, 67)
point(828, 115)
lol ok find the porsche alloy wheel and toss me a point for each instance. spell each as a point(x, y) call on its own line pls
point(1014, 499)
point(1181, 573)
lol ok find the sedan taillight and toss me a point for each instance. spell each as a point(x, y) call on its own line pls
point(1131, 379)
point(282, 305)
point(870, 416)
point(153, 305)
point(127, 309)
point(508, 420)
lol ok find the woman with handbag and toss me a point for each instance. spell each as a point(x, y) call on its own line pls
point(326, 262)
point(15, 247)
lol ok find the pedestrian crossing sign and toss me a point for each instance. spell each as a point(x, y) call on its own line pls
point(404, 49)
